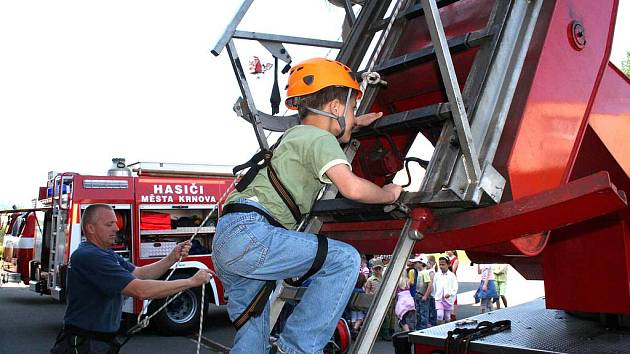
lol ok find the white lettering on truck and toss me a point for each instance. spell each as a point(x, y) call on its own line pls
point(163, 193)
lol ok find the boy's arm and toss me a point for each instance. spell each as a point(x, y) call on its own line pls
point(361, 190)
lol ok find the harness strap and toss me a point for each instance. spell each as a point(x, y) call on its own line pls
point(258, 303)
point(320, 257)
point(100, 336)
point(283, 193)
point(246, 208)
point(259, 161)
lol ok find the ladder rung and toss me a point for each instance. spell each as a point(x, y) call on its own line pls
point(456, 44)
point(287, 39)
point(411, 13)
point(414, 118)
point(342, 209)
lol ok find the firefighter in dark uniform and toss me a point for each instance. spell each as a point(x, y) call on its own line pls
point(97, 280)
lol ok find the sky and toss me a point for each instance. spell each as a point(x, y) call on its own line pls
point(84, 81)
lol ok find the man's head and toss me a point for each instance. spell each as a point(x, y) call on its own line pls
point(320, 88)
point(98, 223)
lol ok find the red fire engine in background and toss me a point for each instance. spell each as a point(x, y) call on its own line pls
point(157, 207)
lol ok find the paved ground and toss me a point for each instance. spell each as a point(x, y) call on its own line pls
point(30, 322)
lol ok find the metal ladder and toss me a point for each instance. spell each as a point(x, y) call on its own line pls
point(460, 172)
point(58, 235)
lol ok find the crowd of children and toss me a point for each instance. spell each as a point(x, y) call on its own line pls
point(427, 291)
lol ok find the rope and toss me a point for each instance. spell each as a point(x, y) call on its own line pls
point(203, 301)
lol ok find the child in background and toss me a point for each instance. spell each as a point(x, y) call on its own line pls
point(364, 266)
point(423, 292)
point(405, 305)
point(445, 285)
point(487, 289)
point(374, 281)
point(432, 268)
point(500, 279)
point(454, 265)
point(357, 316)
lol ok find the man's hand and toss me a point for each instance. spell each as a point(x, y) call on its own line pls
point(202, 276)
point(425, 297)
point(181, 250)
point(484, 288)
point(447, 296)
point(366, 119)
point(394, 189)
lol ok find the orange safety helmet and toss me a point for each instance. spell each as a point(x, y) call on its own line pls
point(315, 74)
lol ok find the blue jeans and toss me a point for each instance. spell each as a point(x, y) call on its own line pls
point(422, 312)
point(432, 312)
point(247, 251)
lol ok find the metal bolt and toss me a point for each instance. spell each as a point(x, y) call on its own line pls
point(577, 35)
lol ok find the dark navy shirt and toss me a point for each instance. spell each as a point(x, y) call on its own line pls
point(95, 280)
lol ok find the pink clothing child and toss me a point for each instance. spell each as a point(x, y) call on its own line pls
point(405, 305)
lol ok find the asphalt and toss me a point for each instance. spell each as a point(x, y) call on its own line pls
point(30, 322)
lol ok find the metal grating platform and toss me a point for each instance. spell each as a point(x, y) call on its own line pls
point(536, 330)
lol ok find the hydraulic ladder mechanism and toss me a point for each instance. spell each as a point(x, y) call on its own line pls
point(465, 128)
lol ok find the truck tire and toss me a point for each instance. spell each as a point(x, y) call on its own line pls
point(181, 316)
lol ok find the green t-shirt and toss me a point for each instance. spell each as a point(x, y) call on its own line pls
point(301, 161)
point(424, 278)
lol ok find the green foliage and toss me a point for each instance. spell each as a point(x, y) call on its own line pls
point(625, 64)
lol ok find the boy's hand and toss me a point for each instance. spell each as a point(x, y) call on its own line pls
point(394, 190)
point(366, 119)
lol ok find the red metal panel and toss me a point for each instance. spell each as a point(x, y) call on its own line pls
point(83, 195)
point(610, 117)
point(561, 95)
point(586, 267)
point(571, 203)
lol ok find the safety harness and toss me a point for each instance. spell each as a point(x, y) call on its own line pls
point(259, 161)
point(74, 338)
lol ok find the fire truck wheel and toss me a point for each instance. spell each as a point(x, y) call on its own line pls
point(181, 316)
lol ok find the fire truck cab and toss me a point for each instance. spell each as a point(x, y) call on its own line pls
point(18, 247)
point(157, 205)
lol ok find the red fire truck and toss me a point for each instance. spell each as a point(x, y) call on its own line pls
point(157, 205)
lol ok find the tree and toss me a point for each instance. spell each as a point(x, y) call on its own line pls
point(625, 64)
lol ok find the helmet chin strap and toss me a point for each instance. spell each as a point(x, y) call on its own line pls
point(340, 119)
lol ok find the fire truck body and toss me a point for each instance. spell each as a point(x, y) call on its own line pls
point(154, 212)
